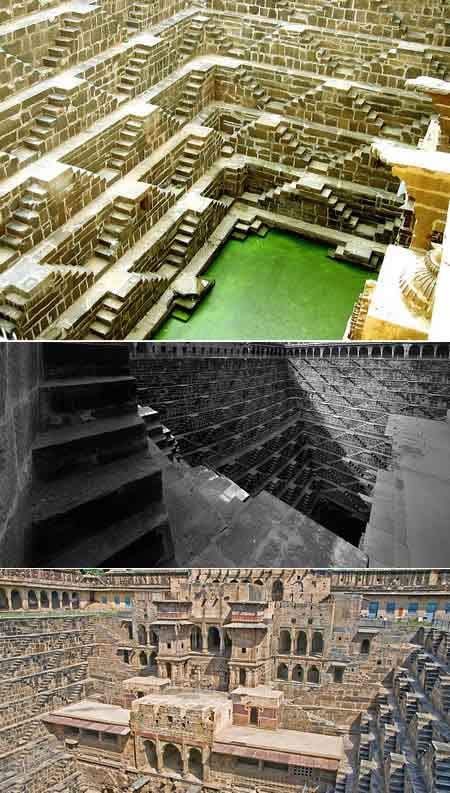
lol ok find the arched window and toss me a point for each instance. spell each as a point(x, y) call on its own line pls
point(4, 605)
point(282, 672)
point(150, 754)
point(285, 642)
point(317, 644)
point(55, 600)
point(172, 759)
point(65, 600)
point(143, 658)
point(298, 674)
point(154, 639)
point(32, 599)
point(142, 634)
point(196, 763)
point(301, 647)
point(365, 647)
point(213, 640)
point(313, 675)
point(16, 599)
point(196, 639)
point(277, 590)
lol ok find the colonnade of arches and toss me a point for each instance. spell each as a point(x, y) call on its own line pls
point(171, 758)
point(300, 643)
point(298, 673)
point(30, 599)
point(213, 639)
point(348, 350)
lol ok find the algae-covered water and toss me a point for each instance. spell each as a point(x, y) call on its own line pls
point(273, 288)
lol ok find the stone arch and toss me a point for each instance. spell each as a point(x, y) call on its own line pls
point(242, 677)
point(152, 664)
point(16, 599)
point(376, 352)
point(4, 605)
point(75, 600)
point(45, 604)
point(150, 754)
point(363, 352)
point(414, 351)
point(172, 759)
point(253, 716)
point(65, 600)
point(55, 600)
point(298, 674)
point(313, 675)
point(282, 672)
point(142, 634)
point(284, 644)
point(399, 351)
point(196, 639)
point(428, 351)
point(213, 639)
point(386, 351)
point(301, 647)
point(277, 590)
point(169, 670)
point(143, 658)
point(442, 351)
point(32, 599)
point(317, 643)
point(195, 763)
point(365, 647)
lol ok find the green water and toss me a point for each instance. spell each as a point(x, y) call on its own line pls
point(273, 288)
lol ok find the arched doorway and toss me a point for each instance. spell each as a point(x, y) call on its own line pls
point(365, 647)
point(75, 600)
point(242, 677)
point(44, 600)
point(285, 642)
point(298, 674)
point(213, 640)
point(32, 599)
point(196, 639)
point(16, 599)
point(4, 605)
point(301, 647)
point(65, 600)
point(227, 645)
point(142, 634)
point(143, 658)
point(172, 759)
point(55, 600)
point(313, 675)
point(282, 672)
point(150, 754)
point(196, 763)
point(254, 717)
point(277, 590)
point(169, 671)
point(317, 644)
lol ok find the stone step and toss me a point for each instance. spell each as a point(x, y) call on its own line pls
point(18, 229)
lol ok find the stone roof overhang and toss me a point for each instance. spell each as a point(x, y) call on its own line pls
point(255, 625)
point(97, 726)
point(290, 758)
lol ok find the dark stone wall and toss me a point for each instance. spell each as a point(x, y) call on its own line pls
point(19, 378)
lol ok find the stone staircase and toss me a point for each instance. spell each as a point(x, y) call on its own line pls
point(59, 54)
point(23, 74)
point(116, 229)
point(259, 94)
point(184, 170)
point(137, 16)
point(192, 38)
point(190, 97)
point(125, 144)
point(182, 240)
point(52, 116)
point(25, 218)
point(135, 67)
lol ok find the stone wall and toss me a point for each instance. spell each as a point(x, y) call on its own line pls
point(19, 379)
